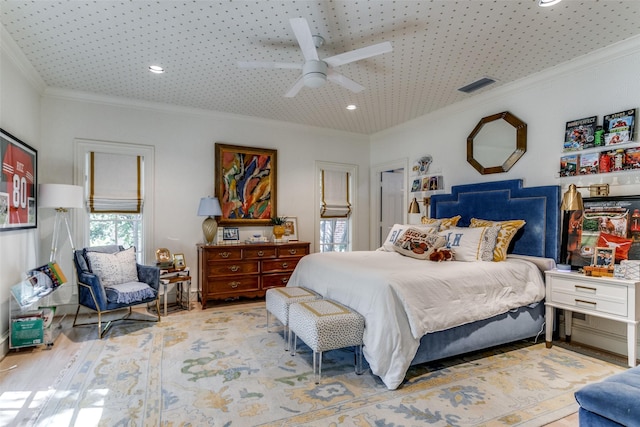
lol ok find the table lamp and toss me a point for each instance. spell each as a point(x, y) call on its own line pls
point(209, 207)
point(61, 197)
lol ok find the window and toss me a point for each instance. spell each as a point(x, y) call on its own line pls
point(116, 179)
point(335, 213)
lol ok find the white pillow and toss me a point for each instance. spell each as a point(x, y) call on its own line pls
point(418, 243)
point(114, 269)
point(398, 229)
point(472, 244)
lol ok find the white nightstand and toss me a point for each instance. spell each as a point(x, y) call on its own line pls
point(606, 297)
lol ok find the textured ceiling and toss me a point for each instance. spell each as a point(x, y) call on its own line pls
point(105, 47)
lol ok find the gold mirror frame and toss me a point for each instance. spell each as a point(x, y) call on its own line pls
point(520, 143)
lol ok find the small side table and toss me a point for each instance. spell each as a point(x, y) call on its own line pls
point(181, 279)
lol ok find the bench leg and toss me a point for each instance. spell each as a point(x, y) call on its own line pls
point(358, 362)
point(317, 360)
point(268, 322)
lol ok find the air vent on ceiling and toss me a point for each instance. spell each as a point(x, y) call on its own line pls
point(478, 84)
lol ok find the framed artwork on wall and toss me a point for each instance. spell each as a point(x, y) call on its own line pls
point(18, 184)
point(245, 184)
point(605, 222)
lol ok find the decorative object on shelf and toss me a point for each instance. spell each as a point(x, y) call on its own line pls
point(245, 183)
point(597, 222)
point(179, 262)
point(619, 127)
point(278, 226)
point(493, 146)
point(19, 171)
point(209, 207)
point(421, 166)
point(61, 197)
point(580, 134)
point(230, 234)
point(291, 228)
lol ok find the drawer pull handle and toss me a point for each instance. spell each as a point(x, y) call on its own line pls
point(293, 251)
point(581, 301)
point(234, 268)
point(285, 280)
point(225, 254)
point(285, 265)
point(234, 284)
point(585, 288)
point(260, 253)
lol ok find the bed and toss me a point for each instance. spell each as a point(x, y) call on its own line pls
point(419, 310)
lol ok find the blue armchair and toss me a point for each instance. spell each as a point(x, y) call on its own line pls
point(110, 279)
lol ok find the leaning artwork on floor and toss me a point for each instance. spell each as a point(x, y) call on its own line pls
point(221, 367)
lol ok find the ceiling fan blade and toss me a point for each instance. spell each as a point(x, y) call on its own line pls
point(293, 91)
point(358, 54)
point(257, 64)
point(305, 40)
point(343, 81)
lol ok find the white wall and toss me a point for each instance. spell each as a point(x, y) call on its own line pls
point(601, 83)
point(20, 116)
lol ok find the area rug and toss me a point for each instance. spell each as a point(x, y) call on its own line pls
point(220, 367)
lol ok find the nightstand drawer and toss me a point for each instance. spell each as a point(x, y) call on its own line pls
point(617, 307)
point(589, 289)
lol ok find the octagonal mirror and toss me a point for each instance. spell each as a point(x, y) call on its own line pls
point(497, 143)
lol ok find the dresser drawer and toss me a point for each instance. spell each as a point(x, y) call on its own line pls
point(293, 251)
point(279, 265)
point(259, 253)
point(275, 280)
point(222, 254)
point(232, 267)
point(598, 297)
point(223, 285)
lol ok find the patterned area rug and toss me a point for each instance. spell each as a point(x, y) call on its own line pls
point(220, 367)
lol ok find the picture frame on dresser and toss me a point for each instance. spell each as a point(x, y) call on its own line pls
point(291, 228)
point(18, 203)
point(604, 256)
point(245, 184)
point(604, 222)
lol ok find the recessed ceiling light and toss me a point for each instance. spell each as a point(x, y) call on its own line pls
point(546, 3)
point(351, 107)
point(156, 69)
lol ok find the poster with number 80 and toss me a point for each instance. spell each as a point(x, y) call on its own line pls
point(17, 183)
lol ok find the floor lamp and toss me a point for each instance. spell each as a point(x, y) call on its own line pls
point(61, 197)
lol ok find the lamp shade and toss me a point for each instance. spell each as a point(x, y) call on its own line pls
point(60, 196)
point(414, 208)
point(572, 199)
point(209, 206)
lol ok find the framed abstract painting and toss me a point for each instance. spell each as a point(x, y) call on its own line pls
point(18, 185)
point(245, 184)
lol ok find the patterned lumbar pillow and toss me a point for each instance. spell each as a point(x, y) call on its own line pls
point(397, 230)
point(472, 244)
point(418, 243)
point(508, 230)
point(443, 223)
point(114, 269)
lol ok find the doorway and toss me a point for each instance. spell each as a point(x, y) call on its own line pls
point(388, 199)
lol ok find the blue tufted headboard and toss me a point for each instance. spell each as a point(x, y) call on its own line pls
point(501, 200)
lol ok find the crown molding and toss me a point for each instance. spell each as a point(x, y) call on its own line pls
point(9, 47)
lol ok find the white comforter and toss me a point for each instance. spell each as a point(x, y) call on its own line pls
point(402, 298)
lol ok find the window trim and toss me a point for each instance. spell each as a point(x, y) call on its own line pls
point(81, 216)
point(353, 194)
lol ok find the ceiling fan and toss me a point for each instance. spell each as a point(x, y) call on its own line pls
point(316, 71)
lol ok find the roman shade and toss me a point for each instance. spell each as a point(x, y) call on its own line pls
point(335, 194)
point(115, 183)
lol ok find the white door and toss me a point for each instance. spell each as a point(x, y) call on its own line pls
point(391, 201)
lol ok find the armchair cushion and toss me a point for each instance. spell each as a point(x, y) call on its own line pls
point(130, 292)
point(114, 269)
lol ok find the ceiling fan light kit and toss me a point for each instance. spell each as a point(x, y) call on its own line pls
point(315, 73)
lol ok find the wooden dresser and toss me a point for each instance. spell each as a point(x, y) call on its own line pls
point(245, 270)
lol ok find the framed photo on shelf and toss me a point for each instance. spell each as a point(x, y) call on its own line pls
point(179, 262)
point(245, 184)
point(291, 228)
point(230, 234)
point(18, 195)
point(604, 257)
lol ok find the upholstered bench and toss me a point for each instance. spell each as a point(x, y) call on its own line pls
point(278, 301)
point(326, 325)
point(614, 401)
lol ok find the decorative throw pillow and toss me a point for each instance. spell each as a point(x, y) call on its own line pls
point(508, 229)
point(114, 269)
point(472, 244)
point(621, 245)
point(398, 229)
point(417, 243)
point(443, 223)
